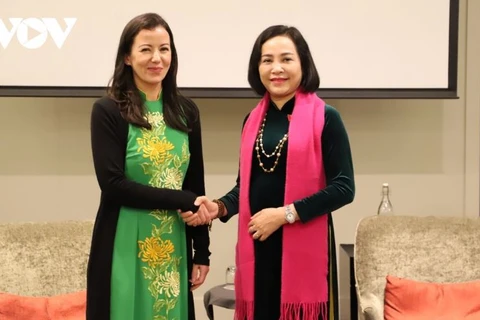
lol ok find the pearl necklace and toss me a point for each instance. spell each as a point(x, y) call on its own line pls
point(277, 151)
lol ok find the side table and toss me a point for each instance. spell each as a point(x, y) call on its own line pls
point(218, 296)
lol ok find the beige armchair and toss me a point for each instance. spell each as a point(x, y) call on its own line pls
point(44, 259)
point(431, 249)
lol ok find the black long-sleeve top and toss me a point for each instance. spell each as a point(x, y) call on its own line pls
point(109, 133)
point(268, 189)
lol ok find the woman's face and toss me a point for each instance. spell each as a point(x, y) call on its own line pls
point(280, 68)
point(150, 57)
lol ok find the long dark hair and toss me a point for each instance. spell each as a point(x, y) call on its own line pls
point(178, 111)
point(310, 78)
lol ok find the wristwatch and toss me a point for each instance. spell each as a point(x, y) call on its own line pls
point(289, 215)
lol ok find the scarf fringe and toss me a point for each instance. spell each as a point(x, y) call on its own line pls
point(243, 310)
point(304, 311)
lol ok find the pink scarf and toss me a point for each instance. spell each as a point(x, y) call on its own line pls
point(305, 246)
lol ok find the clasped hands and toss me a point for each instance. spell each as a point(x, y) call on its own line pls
point(261, 225)
point(207, 211)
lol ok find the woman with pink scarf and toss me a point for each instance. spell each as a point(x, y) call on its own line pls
point(295, 170)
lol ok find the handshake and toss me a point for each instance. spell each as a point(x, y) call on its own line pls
point(207, 211)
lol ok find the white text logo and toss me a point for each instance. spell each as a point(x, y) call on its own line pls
point(32, 33)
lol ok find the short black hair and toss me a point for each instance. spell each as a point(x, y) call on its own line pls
point(310, 78)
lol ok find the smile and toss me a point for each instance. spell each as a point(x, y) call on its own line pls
point(156, 69)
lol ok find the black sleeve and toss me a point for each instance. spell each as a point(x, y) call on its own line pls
point(232, 198)
point(231, 201)
point(337, 160)
point(195, 182)
point(108, 139)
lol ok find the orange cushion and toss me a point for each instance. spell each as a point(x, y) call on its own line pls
point(13, 307)
point(71, 306)
point(414, 300)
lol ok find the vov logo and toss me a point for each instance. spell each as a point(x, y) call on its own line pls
point(32, 33)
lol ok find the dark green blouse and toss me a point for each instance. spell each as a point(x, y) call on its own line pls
point(267, 189)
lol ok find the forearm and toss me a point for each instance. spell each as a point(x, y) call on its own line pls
point(201, 244)
point(128, 193)
point(229, 204)
point(331, 198)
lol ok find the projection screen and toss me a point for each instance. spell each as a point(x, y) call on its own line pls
point(378, 47)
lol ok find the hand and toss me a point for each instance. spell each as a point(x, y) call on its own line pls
point(199, 274)
point(208, 209)
point(265, 222)
point(203, 216)
point(211, 206)
point(193, 219)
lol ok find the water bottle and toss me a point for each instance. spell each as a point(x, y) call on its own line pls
point(230, 278)
point(385, 208)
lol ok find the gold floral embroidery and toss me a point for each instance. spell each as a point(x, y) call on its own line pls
point(155, 118)
point(157, 150)
point(164, 167)
point(155, 251)
point(169, 282)
point(171, 178)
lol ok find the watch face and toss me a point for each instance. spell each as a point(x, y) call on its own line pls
point(290, 217)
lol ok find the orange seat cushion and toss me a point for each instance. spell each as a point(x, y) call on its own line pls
point(415, 300)
point(71, 306)
point(13, 307)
